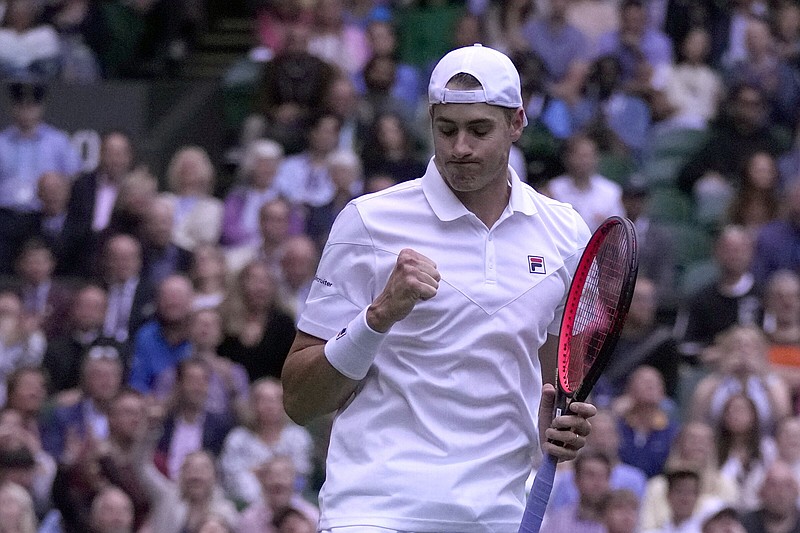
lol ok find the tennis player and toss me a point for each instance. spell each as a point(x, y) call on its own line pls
point(433, 318)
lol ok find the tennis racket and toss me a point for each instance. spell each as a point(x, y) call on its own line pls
point(597, 303)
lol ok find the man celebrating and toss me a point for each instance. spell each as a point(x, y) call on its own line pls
point(431, 322)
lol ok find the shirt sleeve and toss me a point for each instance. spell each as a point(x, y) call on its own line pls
point(345, 282)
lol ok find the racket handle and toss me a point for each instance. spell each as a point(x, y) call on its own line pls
point(539, 496)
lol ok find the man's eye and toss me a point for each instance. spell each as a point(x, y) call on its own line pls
point(447, 132)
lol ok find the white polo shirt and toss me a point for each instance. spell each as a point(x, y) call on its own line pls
point(442, 432)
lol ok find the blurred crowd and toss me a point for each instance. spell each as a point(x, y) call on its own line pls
point(144, 320)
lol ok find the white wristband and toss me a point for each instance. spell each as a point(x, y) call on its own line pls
point(352, 351)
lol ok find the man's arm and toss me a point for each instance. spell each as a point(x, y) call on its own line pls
point(311, 385)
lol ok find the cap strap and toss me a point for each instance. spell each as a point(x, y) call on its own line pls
point(450, 96)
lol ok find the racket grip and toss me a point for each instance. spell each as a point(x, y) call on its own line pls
point(539, 496)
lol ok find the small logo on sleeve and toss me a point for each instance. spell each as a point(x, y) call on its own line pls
point(536, 264)
point(341, 334)
point(323, 281)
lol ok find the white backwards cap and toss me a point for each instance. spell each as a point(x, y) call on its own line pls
point(494, 70)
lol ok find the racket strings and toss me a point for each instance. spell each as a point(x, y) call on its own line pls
point(597, 308)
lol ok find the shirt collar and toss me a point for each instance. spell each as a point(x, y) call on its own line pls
point(446, 206)
point(36, 136)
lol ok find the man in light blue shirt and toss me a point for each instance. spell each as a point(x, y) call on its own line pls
point(28, 149)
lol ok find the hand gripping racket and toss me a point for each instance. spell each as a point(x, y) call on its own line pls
point(597, 303)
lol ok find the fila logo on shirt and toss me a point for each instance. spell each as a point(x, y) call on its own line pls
point(341, 334)
point(536, 264)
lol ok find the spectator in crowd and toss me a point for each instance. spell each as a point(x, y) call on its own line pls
point(604, 438)
point(269, 434)
point(503, 23)
point(620, 511)
point(163, 342)
point(563, 47)
point(303, 178)
point(228, 386)
point(298, 266)
point(643, 341)
point(137, 192)
point(184, 504)
point(293, 521)
point(130, 297)
point(782, 326)
point(730, 299)
point(710, 175)
point(763, 67)
point(693, 449)
point(755, 202)
point(275, 221)
point(549, 121)
point(724, 521)
point(738, 364)
point(81, 30)
point(382, 37)
point(389, 148)
point(683, 492)
point(777, 240)
point(335, 40)
point(22, 343)
point(198, 215)
point(84, 333)
point(785, 19)
point(647, 427)
point(85, 417)
point(23, 461)
point(277, 479)
point(29, 147)
point(342, 100)
point(16, 509)
point(208, 272)
point(345, 171)
point(111, 512)
point(240, 225)
point(594, 196)
point(380, 80)
point(92, 201)
point(744, 452)
point(621, 129)
point(787, 443)
point(640, 47)
point(592, 472)
point(53, 191)
point(189, 426)
point(27, 394)
point(778, 509)
point(258, 334)
point(161, 256)
point(693, 87)
point(274, 20)
point(292, 89)
point(44, 298)
point(655, 243)
point(28, 48)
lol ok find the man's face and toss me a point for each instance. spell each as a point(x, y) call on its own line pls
point(116, 156)
point(471, 144)
point(126, 415)
point(102, 378)
point(682, 497)
point(592, 480)
point(89, 309)
point(27, 114)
